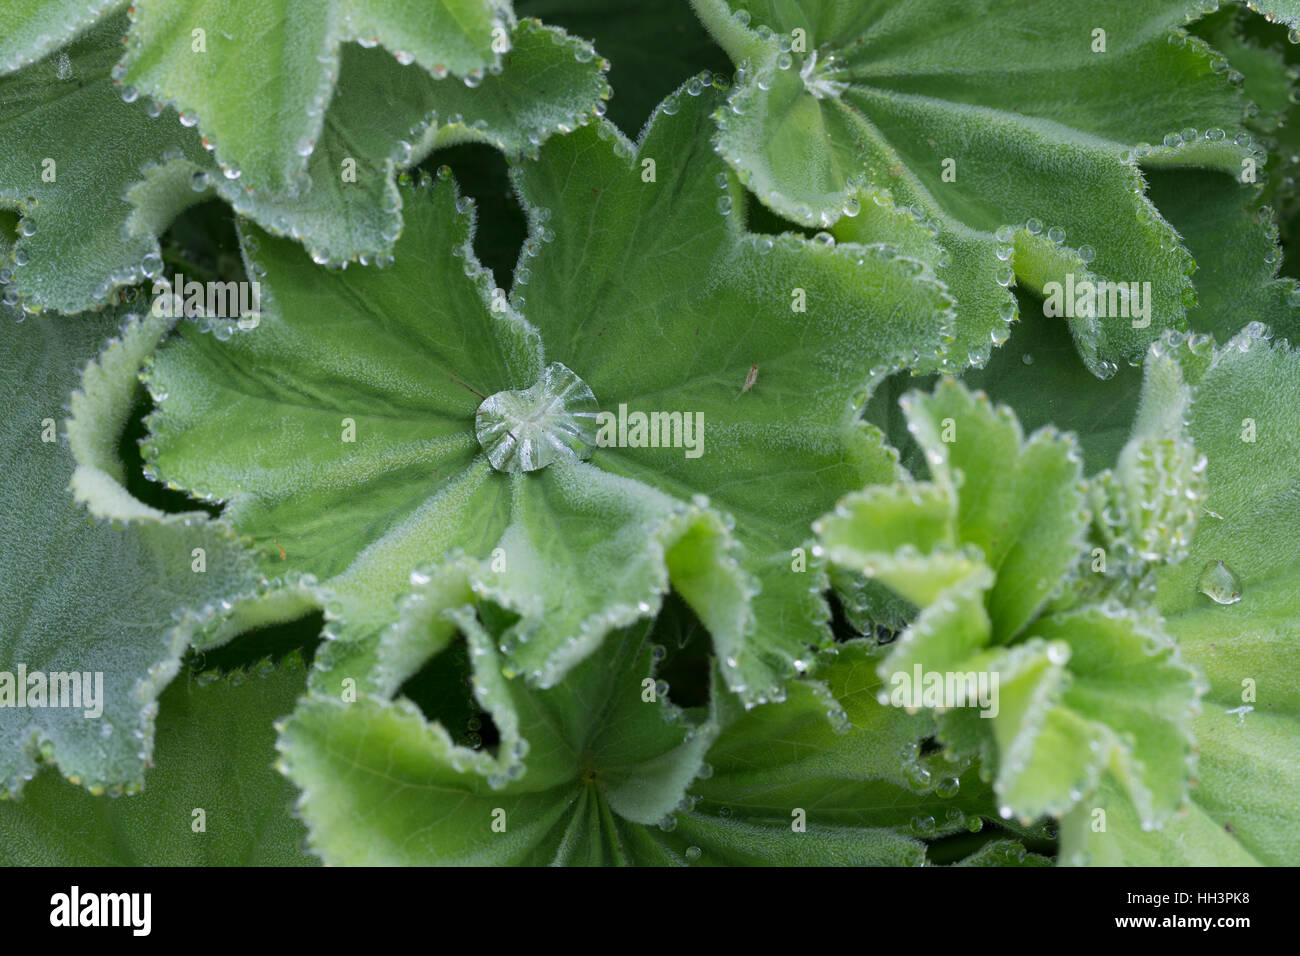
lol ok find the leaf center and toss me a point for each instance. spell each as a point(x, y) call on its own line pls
point(818, 78)
point(527, 429)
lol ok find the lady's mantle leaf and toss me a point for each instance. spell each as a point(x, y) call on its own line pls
point(1282, 11)
point(343, 429)
point(211, 59)
point(1231, 605)
point(548, 82)
point(827, 776)
point(69, 150)
point(214, 750)
point(980, 551)
point(994, 123)
point(88, 595)
point(606, 756)
point(34, 28)
point(115, 169)
point(1146, 509)
point(824, 775)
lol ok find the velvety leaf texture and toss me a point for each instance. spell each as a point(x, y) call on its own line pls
point(214, 748)
point(1051, 689)
point(1009, 170)
point(115, 166)
point(311, 432)
point(870, 438)
point(1237, 623)
point(114, 604)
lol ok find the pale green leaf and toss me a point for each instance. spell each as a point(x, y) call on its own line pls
point(980, 552)
point(919, 101)
point(89, 594)
point(212, 61)
point(364, 392)
point(381, 785)
point(214, 750)
point(34, 28)
point(1019, 501)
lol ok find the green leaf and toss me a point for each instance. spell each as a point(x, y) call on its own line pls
point(840, 97)
point(1235, 243)
point(1019, 501)
point(850, 764)
point(1240, 418)
point(381, 785)
point(1243, 802)
point(1039, 373)
point(123, 169)
point(70, 149)
point(638, 239)
point(548, 82)
point(34, 28)
point(211, 60)
point(292, 481)
point(1146, 509)
point(652, 44)
point(981, 551)
point(1283, 11)
point(214, 749)
point(408, 354)
point(91, 595)
point(607, 771)
point(1234, 238)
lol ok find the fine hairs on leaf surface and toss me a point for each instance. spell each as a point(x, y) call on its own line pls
point(573, 537)
point(870, 438)
point(115, 603)
point(342, 202)
point(983, 550)
point(1005, 170)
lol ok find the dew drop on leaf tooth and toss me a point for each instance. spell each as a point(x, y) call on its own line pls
point(1219, 583)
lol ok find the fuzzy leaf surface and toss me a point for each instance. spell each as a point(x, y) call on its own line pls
point(214, 749)
point(614, 263)
point(918, 100)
